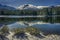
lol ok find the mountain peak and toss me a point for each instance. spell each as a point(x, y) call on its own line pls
point(27, 6)
point(30, 7)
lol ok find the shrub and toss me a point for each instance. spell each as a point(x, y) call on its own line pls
point(33, 30)
point(18, 30)
point(5, 29)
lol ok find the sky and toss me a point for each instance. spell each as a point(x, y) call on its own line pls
point(16, 3)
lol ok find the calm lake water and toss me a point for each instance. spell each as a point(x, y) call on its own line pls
point(52, 28)
point(46, 26)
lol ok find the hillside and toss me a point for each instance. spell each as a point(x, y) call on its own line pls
point(6, 7)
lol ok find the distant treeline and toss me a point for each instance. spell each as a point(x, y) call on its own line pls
point(45, 11)
point(50, 11)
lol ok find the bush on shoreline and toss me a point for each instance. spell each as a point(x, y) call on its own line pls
point(18, 30)
point(32, 30)
point(5, 29)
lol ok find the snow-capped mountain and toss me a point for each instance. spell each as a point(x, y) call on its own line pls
point(27, 6)
point(30, 7)
point(41, 7)
point(6, 7)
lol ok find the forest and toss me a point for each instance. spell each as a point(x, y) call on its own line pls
point(52, 14)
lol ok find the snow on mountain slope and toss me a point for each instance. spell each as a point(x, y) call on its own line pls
point(27, 6)
point(41, 7)
point(30, 7)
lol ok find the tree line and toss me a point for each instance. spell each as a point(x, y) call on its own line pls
point(50, 11)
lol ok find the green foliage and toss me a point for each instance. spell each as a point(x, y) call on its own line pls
point(18, 30)
point(32, 30)
point(44, 11)
point(5, 29)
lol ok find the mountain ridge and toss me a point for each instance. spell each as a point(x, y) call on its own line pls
point(2, 6)
point(25, 7)
point(30, 6)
